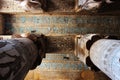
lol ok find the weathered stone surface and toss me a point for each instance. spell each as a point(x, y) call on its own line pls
point(61, 30)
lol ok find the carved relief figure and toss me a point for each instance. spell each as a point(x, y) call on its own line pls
point(32, 5)
point(93, 4)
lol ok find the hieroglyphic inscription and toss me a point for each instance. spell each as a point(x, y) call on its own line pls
point(63, 66)
point(60, 44)
point(63, 24)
